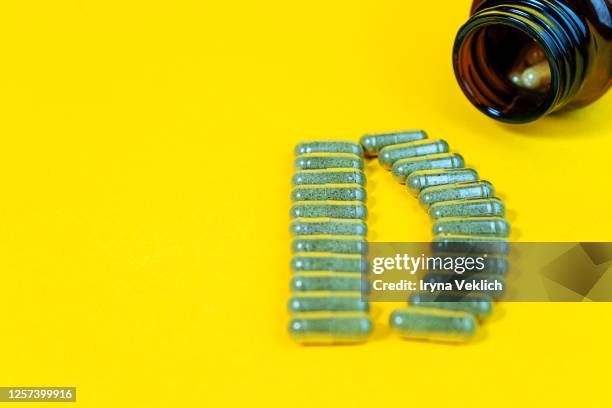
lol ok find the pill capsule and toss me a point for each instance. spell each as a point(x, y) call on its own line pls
point(372, 144)
point(331, 329)
point(486, 207)
point(328, 226)
point(477, 305)
point(419, 180)
point(482, 284)
point(328, 193)
point(401, 169)
point(337, 303)
point(390, 154)
point(324, 161)
point(329, 209)
point(536, 76)
point(485, 226)
point(336, 245)
point(328, 146)
point(470, 244)
point(329, 176)
point(329, 264)
point(433, 324)
point(459, 191)
point(329, 282)
point(476, 264)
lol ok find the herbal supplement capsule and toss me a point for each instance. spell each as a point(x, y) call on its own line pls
point(401, 169)
point(329, 209)
point(433, 324)
point(331, 329)
point(482, 284)
point(419, 180)
point(328, 146)
point(372, 144)
point(459, 191)
point(328, 226)
point(485, 226)
point(328, 282)
point(329, 193)
point(390, 154)
point(536, 76)
point(329, 176)
point(326, 161)
point(470, 244)
point(485, 207)
point(477, 305)
point(334, 303)
point(336, 245)
point(329, 264)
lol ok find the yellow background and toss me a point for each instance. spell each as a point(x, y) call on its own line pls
point(146, 158)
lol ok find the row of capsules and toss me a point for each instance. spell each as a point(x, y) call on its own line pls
point(468, 220)
point(329, 244)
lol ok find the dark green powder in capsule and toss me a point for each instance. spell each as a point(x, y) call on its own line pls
point(305, 304)
point(470, 244)
point(401, 169)
point(335, 176)
point(328, 264)
point(459, 191)
point(338, 329)
point(328, 227)
point(419, 180)
point(325, 193)
point(327, 209)
point(329, 283)
point(433, 324)
point(390, 154)
point(485, 226)
point(328, 162)
point(372, 144)
point(328, 146)
point(331, 245)
point(476, 305)
point(486, 207)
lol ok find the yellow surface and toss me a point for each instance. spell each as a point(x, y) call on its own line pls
point(146, 158)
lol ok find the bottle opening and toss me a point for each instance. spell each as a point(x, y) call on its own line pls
point(504, 72)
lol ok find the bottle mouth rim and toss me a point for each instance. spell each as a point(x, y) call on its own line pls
point(487, 19)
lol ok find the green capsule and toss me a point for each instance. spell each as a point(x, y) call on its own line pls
point(372, 144)
point(482, 284)
point(477, 305)
point(329, 264)
point(433, 324)
point(328, 193)
point(328, 226)
point(485, 207)
point(390, 154)
point(310, 303)
point(329, 176)
point(331, 329)
point(401, 169)
point(470, 244)
point(330, 282)
point(485, 226)
point(419, 180)
point(459, 191)
point(336, 245)
point(328, 146)
point(329, 209)
point(325, 161)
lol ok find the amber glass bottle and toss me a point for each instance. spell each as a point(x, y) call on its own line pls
point(518, 60)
